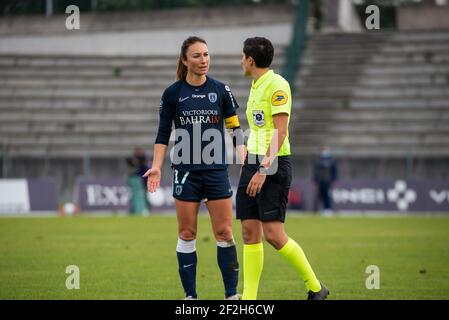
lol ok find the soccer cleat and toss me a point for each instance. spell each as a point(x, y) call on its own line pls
point(234, 297)
point(190, 298)
point(320, 295)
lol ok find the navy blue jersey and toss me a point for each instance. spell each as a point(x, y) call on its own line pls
point(195, 110)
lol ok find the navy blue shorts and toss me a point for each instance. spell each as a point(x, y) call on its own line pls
point(197, 185)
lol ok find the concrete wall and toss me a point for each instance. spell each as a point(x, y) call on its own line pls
point(149, 20)
point(423, 18)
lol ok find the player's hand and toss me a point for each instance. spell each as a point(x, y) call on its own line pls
point(154, 179)
point(255, 185)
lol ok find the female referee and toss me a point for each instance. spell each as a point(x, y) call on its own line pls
point(266, 175)
point(199, 106)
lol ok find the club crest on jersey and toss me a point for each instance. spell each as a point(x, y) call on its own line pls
point(212, 97)
point(279, 98)
point(258, 117)
point(178, 190)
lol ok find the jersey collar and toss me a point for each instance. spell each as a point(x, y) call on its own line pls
point(264, 77)
point(197, 87)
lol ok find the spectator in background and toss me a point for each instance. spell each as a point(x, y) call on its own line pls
point(138, 165)
point(324, 176)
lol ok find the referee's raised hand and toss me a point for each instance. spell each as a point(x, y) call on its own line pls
point(154, 179)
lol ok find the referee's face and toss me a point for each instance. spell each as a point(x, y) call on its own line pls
point(198, 59)
point(246, 65)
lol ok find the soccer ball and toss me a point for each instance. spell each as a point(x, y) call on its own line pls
point(69, 209)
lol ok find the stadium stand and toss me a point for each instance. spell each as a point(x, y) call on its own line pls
point(59, 106)
point(375, 95)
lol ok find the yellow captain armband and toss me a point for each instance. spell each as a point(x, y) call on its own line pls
point(232, 122)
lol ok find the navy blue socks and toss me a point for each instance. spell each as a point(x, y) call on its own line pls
point(187, 260)
point(227, 261)
point(229, 266)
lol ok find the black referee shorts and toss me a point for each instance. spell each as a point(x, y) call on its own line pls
point(270, 204)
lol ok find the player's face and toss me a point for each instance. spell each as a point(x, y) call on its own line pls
point(246, 65)
point(198, 59)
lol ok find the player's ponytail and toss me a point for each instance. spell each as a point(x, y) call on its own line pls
point(181, 71)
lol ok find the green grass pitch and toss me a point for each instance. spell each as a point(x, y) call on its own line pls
point(134, 257)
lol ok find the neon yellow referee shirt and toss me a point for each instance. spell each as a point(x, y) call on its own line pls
point(269, 95)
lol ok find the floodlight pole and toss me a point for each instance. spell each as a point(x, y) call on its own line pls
point(4, 160)
point(48, 8)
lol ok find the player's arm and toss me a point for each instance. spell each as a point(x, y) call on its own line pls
point(232, 122)
point(154, 174)
point(241, 151)
point(166, 116)
point(238, 138)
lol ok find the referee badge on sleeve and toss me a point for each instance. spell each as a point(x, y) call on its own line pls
point(259, 118)
point(279, 98)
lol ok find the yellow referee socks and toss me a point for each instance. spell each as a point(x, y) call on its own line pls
point(296, 257)
point(252, 269)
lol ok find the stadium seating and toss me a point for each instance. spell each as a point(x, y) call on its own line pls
point(64, 106)
point(377, 94)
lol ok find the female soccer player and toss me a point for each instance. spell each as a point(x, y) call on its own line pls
point(199, 106)
point(264, 184)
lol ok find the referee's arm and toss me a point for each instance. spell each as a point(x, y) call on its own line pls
point(280, 121)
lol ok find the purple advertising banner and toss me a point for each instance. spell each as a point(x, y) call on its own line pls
point(348, 195)
point(43, 194)
point(103, 194)
point(351, 195)
point(436, 195)
point(380, 195)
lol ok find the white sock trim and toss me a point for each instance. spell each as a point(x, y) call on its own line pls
point(184, 246)
point(224, 244)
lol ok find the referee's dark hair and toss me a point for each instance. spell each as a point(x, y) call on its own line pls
point(260, 49)
point(181, 71)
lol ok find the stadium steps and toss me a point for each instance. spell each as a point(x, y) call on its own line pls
point(380, 95)
point(360, 151)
